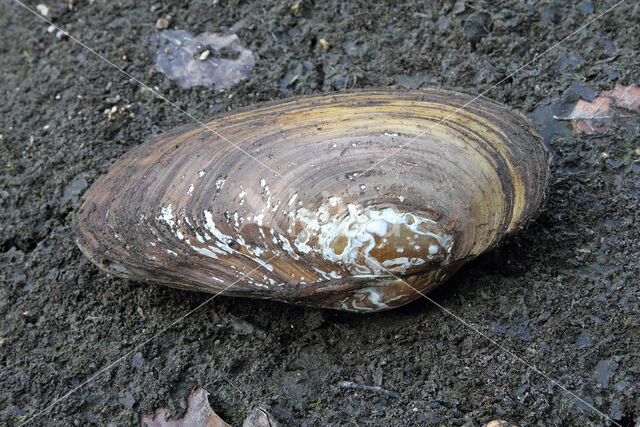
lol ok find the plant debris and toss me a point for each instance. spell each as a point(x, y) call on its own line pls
point(199, 414)
point(499, 423)
point(259, 417)
point(591, 117)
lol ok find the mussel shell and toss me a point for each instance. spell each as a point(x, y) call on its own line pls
point(357, 201)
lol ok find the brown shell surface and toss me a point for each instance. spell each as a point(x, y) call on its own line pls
point(358, 201)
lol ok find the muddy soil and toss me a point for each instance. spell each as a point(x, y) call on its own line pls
point(555, 307)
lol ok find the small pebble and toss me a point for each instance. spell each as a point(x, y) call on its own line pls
point(204, 55)
point(324, 43)
point(162, 23)
point(51, 29)
point(43, 9)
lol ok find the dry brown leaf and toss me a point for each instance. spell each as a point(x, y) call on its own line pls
point(259, 417)
point(594, 117)
point(199, 414)
point(499, 423)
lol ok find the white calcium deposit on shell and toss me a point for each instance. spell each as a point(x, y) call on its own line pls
point(350, 239)
point(219, 242)
point(166, 215)
point(365, 242)
point(374, 297)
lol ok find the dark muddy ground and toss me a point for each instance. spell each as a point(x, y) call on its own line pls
point(562, 295)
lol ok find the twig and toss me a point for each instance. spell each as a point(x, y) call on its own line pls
point(609, 59)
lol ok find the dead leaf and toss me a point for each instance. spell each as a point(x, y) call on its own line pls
point(199, 414)
point(259, 417)
point(593, 117)
point(499, 423)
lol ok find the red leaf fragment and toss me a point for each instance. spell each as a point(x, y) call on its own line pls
point(199, 414)
point(593, 117)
